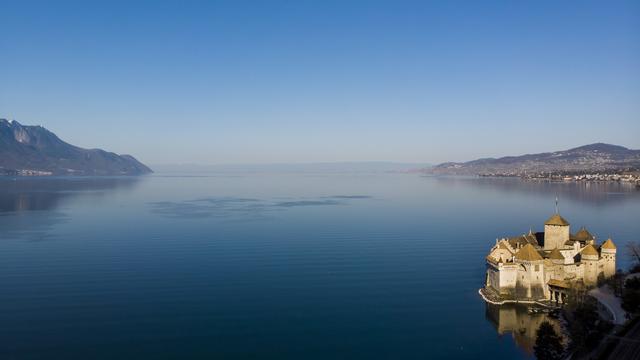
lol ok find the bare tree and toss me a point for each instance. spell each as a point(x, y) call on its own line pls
point(634, 251)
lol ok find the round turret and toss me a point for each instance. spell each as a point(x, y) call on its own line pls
point(589, 257)
point(584, 236)
point(589, 252)
point(608, 247)
point(608, 251)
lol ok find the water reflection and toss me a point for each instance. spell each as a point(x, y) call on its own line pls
point(520, 322)
point(29, 194)
point(598, 193)
point(30, 207)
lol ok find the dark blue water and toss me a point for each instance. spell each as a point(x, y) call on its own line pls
point(281, 266)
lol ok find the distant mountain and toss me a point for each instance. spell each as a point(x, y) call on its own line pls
point(597, 157)
point(34, 150)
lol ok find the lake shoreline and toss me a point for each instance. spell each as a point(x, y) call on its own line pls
point(487, 298)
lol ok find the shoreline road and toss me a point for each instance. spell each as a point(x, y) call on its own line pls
point(611, 302)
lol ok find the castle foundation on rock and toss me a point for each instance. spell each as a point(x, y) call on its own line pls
point(544, 266)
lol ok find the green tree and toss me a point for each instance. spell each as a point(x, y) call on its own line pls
point(548, 343)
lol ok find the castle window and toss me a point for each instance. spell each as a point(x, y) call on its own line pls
point(537, 267)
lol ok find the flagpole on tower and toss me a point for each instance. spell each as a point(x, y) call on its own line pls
point(556, 203)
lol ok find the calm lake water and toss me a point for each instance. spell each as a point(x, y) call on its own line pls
point(281, 266)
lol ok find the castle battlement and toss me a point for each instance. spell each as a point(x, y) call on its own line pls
point(543, 266)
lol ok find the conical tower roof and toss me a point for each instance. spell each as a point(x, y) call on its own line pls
point(583, 235)
point(589, 250)
point(608, 245)
point(557, 220)
point(556, 255)
point(528, 253)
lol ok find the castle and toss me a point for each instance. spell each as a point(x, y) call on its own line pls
point(543, 266)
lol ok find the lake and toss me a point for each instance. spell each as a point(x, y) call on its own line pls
point(273, 265)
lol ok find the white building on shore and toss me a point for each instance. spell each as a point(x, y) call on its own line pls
point(543, 266)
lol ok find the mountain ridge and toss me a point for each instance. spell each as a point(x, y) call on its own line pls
point(596, 157)
point(34, 150)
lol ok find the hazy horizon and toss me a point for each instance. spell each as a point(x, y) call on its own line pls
point(345, 167)
point(277, 82)
point(346, 162)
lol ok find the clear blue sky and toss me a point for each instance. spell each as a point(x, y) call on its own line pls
point(305, 81)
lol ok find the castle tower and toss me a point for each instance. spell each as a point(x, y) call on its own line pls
point(590, 256)
point(530, 276)
point(556, 232)
point(584, 236)
point(557, 259)
point(608, 258)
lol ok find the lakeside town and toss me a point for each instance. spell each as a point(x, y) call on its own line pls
point(631, 177)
